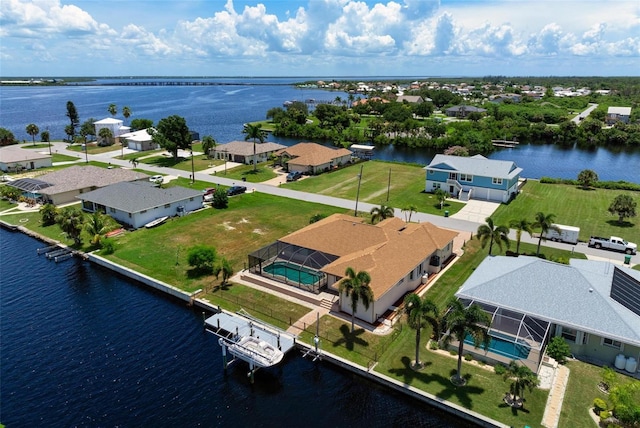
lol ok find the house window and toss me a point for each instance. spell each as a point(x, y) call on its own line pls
point(143, 211)
point(436, 185)
point(112, 210)
point(411, 276)
point(612, 343)
point(453, 176)
point(466, 177)
point(430, 171)
point(569, 334)
point(497, 180)
point(585, 338)
point(167, 206)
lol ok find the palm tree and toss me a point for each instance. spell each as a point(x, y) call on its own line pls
point(254, 132)
point(223, 266)
point(419, 313)
point(522, 378)
point(356, 285)
point(134, 162)
point(442, 196)
point(522, 225)
point(32, 129)
point(461, 322)
point(126, 112)
point(113, 110)
point(96, 227)
point(545, 223)
point(408, 211)
point(208, 143)
point(491, 233)
point(45, 137)
point(71, 222)
point(380, 213)
point(105, 134)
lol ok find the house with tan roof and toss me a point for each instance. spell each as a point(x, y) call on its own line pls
point(242, 151)
point(16, 158)
point(62, 186)
point(312, 158)
point(397, 255)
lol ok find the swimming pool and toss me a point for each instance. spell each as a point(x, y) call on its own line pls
point(500, 344)
point(293, 272)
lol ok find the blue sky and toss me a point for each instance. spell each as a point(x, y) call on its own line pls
point(319, 38)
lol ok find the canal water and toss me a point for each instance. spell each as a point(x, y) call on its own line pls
point(84, 347)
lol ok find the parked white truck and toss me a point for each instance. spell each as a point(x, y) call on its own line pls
point(563, 233)
point(614, 243)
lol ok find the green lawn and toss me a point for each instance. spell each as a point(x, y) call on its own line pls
point(200, 162)
point(94, 149)
point(586, 209)
point(62, 158)
point(263, 172)
point(406, 186)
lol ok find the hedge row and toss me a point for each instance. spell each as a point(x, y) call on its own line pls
point(616, 185)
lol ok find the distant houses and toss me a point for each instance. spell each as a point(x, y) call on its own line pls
point(114, 125)
point(242, 151)
point(473, 177)
point(462, 111)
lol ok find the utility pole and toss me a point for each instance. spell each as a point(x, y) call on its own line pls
point(389, 185)
point(193, 173)
point(358, 192)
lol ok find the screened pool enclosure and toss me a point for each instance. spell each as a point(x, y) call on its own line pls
point(514, 336)
point(292, 265)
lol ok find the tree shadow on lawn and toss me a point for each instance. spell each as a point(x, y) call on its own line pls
point(514, 409)
point(463, 393)
point(625, 224)
point(166, 161)
point(350, 339)
point(195, 272)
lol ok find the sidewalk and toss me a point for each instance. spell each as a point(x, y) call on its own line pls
point(551, 416)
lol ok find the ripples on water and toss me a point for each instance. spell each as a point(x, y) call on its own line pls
point(83, 347)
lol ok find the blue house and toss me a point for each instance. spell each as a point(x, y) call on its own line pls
point(473, 177)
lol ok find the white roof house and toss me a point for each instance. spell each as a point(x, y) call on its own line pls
point(618, 114)
point(114, 125)
point(594, 305)
point(139, 140)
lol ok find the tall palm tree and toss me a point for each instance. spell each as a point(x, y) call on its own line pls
point(356, 286)
point(421, 312)
point(105, 134)
point(71, 222)
point(460, 322)
point(96, 226)
point(522, 225)
point(112, 109)
point(521, 378)
point(409, 211)
point(254, 132)
point(223, 266)
point(126, 112)
point(380, 213)
point(208, 143)
point(544, 222)
point(441, 195)
point(32, 129)
point(492, 233)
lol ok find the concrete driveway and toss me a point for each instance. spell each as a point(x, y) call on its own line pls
point(476, 211)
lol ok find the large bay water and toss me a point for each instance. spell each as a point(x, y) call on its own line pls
point(221, 111)
point(81, 346)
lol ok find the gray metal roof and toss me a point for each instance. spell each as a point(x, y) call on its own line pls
point(138, 196)
point(475, 165)
point(575, 295)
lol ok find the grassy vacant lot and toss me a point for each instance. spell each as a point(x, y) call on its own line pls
point(252, 221)
point(586, 209)
point(94, 148)
point(200, 162)
point(263, 172)
point(407, 186)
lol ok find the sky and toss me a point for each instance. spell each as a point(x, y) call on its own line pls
point(337, 38)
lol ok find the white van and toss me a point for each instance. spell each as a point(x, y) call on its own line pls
point(568, 234)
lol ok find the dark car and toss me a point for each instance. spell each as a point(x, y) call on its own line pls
point(236, 190)
point(294, 175)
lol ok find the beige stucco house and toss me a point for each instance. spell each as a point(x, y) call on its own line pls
point(15, 158)
point(313, 158)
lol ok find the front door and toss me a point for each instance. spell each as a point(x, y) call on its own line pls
point(451, 189)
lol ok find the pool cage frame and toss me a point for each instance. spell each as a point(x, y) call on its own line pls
point(515, 327)
point(306, 258)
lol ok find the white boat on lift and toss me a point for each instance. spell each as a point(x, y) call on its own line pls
point(252, 349)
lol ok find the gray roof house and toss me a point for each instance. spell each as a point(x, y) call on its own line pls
point(242, 151)
point(473, 177)
point(463, 111)
point(137, 203)
point(593, 305)
point(618, 114)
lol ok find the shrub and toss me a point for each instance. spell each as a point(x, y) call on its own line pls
point(558, 349)
point(500, 369)
point(453, 352)
point(220, 200)
point(468, 357)
point(202, 257)
point(605, 414)
point(108, 246)
point(599, 405)
point(433, 345)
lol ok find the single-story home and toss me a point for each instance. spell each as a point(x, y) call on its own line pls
point(313, 158)
point(462, 111)
point(618, 114)
point(62, 187)
point(242, 151)
point(474, 177)
point(114, 125)
point(593, 305)
point(411, 99)
point(139, 140)
point(15, 158)
point(138, 203)
point(397, 255)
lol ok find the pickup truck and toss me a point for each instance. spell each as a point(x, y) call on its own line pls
point(614, 243)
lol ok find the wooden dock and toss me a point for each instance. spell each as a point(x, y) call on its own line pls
point(504, 143)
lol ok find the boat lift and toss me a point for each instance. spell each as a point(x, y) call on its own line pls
point(232, 328)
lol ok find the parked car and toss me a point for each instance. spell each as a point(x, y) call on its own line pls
point(614, 243)
point(157, 179)
point(236, 190)
point(294, 175)
point(208, 194)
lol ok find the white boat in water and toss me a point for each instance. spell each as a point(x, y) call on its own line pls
point(251, 348)
point(156, 222)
